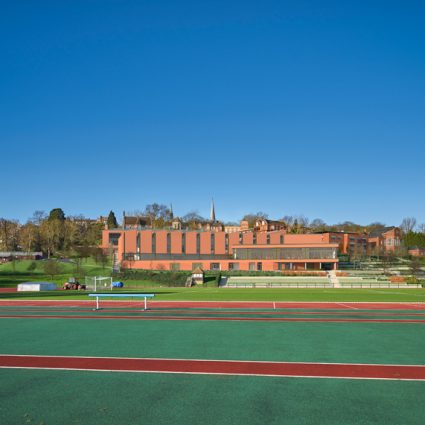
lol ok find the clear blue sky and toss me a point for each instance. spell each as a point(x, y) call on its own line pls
point(288, 107)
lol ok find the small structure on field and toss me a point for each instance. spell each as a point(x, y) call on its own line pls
point(36, 286)
point(198, 276)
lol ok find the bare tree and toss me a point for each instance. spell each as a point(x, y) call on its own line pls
point(28, 236)
point(252, 218)
point(415, 266)
point(192, 219)
point(408, 224)
point(303, 221)
point(52, 268)
point(9, 234)
point(158, 214)
point(318, 225)
point(38, 217)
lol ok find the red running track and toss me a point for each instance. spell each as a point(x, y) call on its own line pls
point(224, 304)
point(219, 367)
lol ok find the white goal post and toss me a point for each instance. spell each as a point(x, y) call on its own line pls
point(98, 283)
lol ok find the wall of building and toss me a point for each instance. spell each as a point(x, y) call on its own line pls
point(245, 265)
point(163, 249)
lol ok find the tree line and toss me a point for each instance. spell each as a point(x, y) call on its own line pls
point(56, 234)
point(53, 234)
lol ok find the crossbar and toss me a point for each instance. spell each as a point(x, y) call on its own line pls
point(145, 296)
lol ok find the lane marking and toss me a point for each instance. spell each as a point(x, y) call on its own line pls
point(349, 306)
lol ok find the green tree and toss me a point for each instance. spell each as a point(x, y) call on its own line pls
point(112, 221)
point(52, 268)
point(57, 214)
point(32, 266)
point(415, 266)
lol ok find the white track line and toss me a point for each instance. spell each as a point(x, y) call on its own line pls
point(348, 306)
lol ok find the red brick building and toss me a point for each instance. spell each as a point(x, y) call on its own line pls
point(387, 239)
point(348, 242)
point(417, 252)
point(181, 249)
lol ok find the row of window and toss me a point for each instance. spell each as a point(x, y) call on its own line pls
point(284, 253)
point(113, 240)
point(258, 266)
point(252, 266)
point(198, 242)
point(393, 242)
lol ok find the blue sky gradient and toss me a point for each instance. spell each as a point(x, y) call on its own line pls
point(288, 107)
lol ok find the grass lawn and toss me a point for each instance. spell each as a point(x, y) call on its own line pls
point(11, 275)
point(257, 294)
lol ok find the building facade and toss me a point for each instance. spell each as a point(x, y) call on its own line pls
point(388, 239)
point(348, 243)
point(181, 249)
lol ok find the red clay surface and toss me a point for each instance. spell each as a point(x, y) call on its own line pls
point(221, 367)
point(223, 304)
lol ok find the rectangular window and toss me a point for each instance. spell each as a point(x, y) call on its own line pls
point(268, 239)
point(240, 238)
point(113, 238)
point(254, 239)
point(214, 266)
point(252, 267)
point(198, 243)
point(153, 243)
point(138, 242)
point(310, 253)
point(226, 242)
point(174, 266)
point(212, 243)
point(233, 266)
point(184, 243)
point(281, 239)
point(259, 267)
point(168, 243)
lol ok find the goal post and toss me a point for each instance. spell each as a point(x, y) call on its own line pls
point(98, 283)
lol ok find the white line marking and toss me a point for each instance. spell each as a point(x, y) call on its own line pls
point(348, 306)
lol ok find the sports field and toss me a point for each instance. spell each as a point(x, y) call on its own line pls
point(212, 363)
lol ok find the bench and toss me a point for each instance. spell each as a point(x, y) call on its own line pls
point(145, 296)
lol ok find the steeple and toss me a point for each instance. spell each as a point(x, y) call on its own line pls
point(212, 214)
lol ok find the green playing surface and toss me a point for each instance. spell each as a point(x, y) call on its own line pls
point(86, 397)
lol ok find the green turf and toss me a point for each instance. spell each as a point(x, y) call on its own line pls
point(12, 274)
point(77, 397)
point(253, 294)
point(397, 343)
point(92, 398)
point(136, 312)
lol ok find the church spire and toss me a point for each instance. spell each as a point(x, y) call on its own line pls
point(212, 214)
